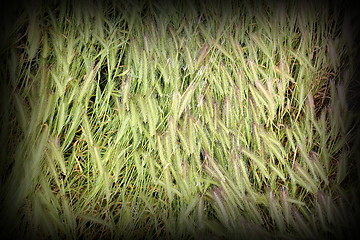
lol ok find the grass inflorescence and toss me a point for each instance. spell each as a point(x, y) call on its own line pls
point(183, 121)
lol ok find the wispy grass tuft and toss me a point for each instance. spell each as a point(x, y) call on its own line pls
point(183, 121)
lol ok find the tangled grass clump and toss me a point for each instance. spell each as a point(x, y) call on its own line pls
point(179, 121)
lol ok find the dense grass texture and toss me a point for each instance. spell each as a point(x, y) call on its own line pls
point(178, 121)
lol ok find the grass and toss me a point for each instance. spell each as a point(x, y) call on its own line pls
point(184, 121)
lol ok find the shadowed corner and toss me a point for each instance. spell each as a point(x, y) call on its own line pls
point(351, 28)
point(352, 34)
point(8, 12)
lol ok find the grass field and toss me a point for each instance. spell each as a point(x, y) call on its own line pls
point(189, 121)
